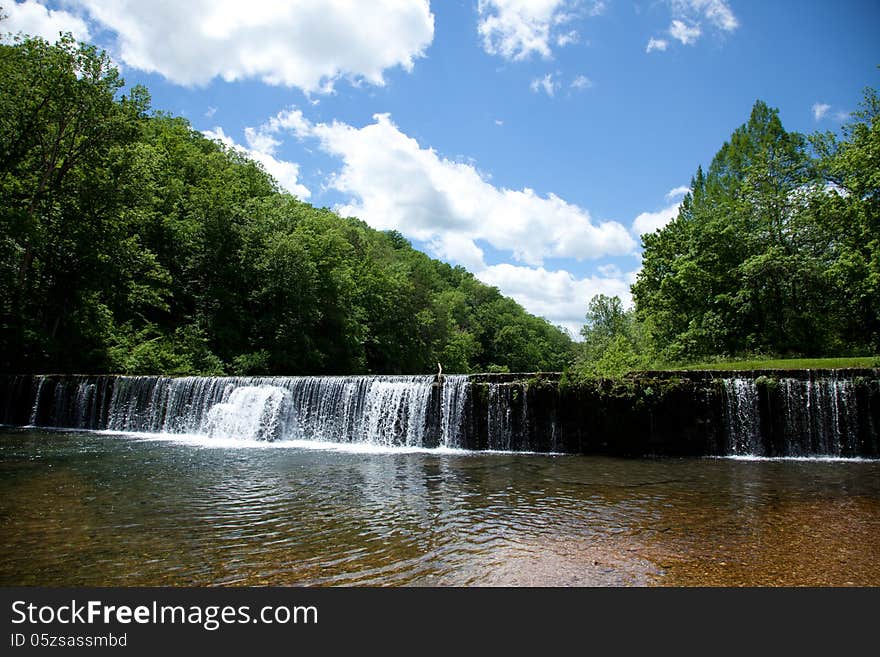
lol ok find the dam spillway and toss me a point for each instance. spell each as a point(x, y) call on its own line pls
point(826, 413)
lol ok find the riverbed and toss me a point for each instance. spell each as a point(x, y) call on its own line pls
point(101, 509)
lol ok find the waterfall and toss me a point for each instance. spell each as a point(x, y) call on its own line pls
point(507, 417)
point(453, 402)
point(741, 413)
point(819, 415)
point(812, 416)
point(797, 413)
point(379, 410)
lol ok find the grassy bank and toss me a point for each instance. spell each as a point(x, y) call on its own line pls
point(786, 364)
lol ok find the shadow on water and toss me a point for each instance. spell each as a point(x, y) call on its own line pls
point(93, 509)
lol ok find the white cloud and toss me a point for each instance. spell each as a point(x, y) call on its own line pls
point(567, 38)
point(683, 32)
point(581, 82)
point(499, 122)
point(262, 141)
point(459, 248)
point(516, 29)
point(688, 17)
point(308, 44)
point(597, 8)
point(558, 296)
point(648, 222)
point(717, 12)
point(656, 44)
point(286, 173)
point(546, 84)
point(677, 192)
point(395, 183)
point(35, 19)
point(820, 110)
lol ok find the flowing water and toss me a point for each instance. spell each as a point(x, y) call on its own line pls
point(97, 508)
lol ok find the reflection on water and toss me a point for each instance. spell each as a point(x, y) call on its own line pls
point(90, 509)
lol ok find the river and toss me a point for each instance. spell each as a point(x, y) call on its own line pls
point(105, 509)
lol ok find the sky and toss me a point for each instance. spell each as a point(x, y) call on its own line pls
point(530, 141)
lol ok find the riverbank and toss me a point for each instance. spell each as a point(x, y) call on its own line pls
point(854, 362)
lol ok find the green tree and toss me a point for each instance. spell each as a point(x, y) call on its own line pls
point(613, 340)
point(846, 212)
point(62, 130)
point(737, 270)
point(132, 243)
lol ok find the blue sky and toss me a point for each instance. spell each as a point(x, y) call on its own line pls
point(531, 141)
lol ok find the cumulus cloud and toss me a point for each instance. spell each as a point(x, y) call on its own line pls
point(656, 44)
point(35, 19)
point(309, 44)
point(688, 18)
point(395, 183)
point(581, 82)
point(648, 222)
point(517, 29)
point(558, 296)
point(820, 110)
point(286, 173)
point(546, 84)
point(677, 192)
point(683, 32)
point(717, 12)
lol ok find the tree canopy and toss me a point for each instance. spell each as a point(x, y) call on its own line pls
point(775, 251)
point(131, 243)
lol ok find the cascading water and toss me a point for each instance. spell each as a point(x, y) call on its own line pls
point(742, 417)
point(819, 415)
point(453, 402)
point(812, 416)
point(379, 410)
point(251, 413)
point(798, 414)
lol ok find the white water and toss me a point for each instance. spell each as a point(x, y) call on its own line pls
point(817, 418)
point(742, 417)
point(385, 411)
point(799, 417)
point(454, 401)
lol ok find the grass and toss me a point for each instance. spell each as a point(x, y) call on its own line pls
point(787, 364)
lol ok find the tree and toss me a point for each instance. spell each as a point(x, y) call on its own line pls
point(132, 243)
point(62, 130)
point(734, 272)
point(847, 215)
point(613, 339)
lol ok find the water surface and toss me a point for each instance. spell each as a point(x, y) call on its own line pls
point(81, 508)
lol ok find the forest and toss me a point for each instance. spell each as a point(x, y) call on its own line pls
point(775, 253)
point(131, 243)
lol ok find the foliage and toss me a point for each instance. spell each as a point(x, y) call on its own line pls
point(614, 341)
point(130, 242)
point(775, 250)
